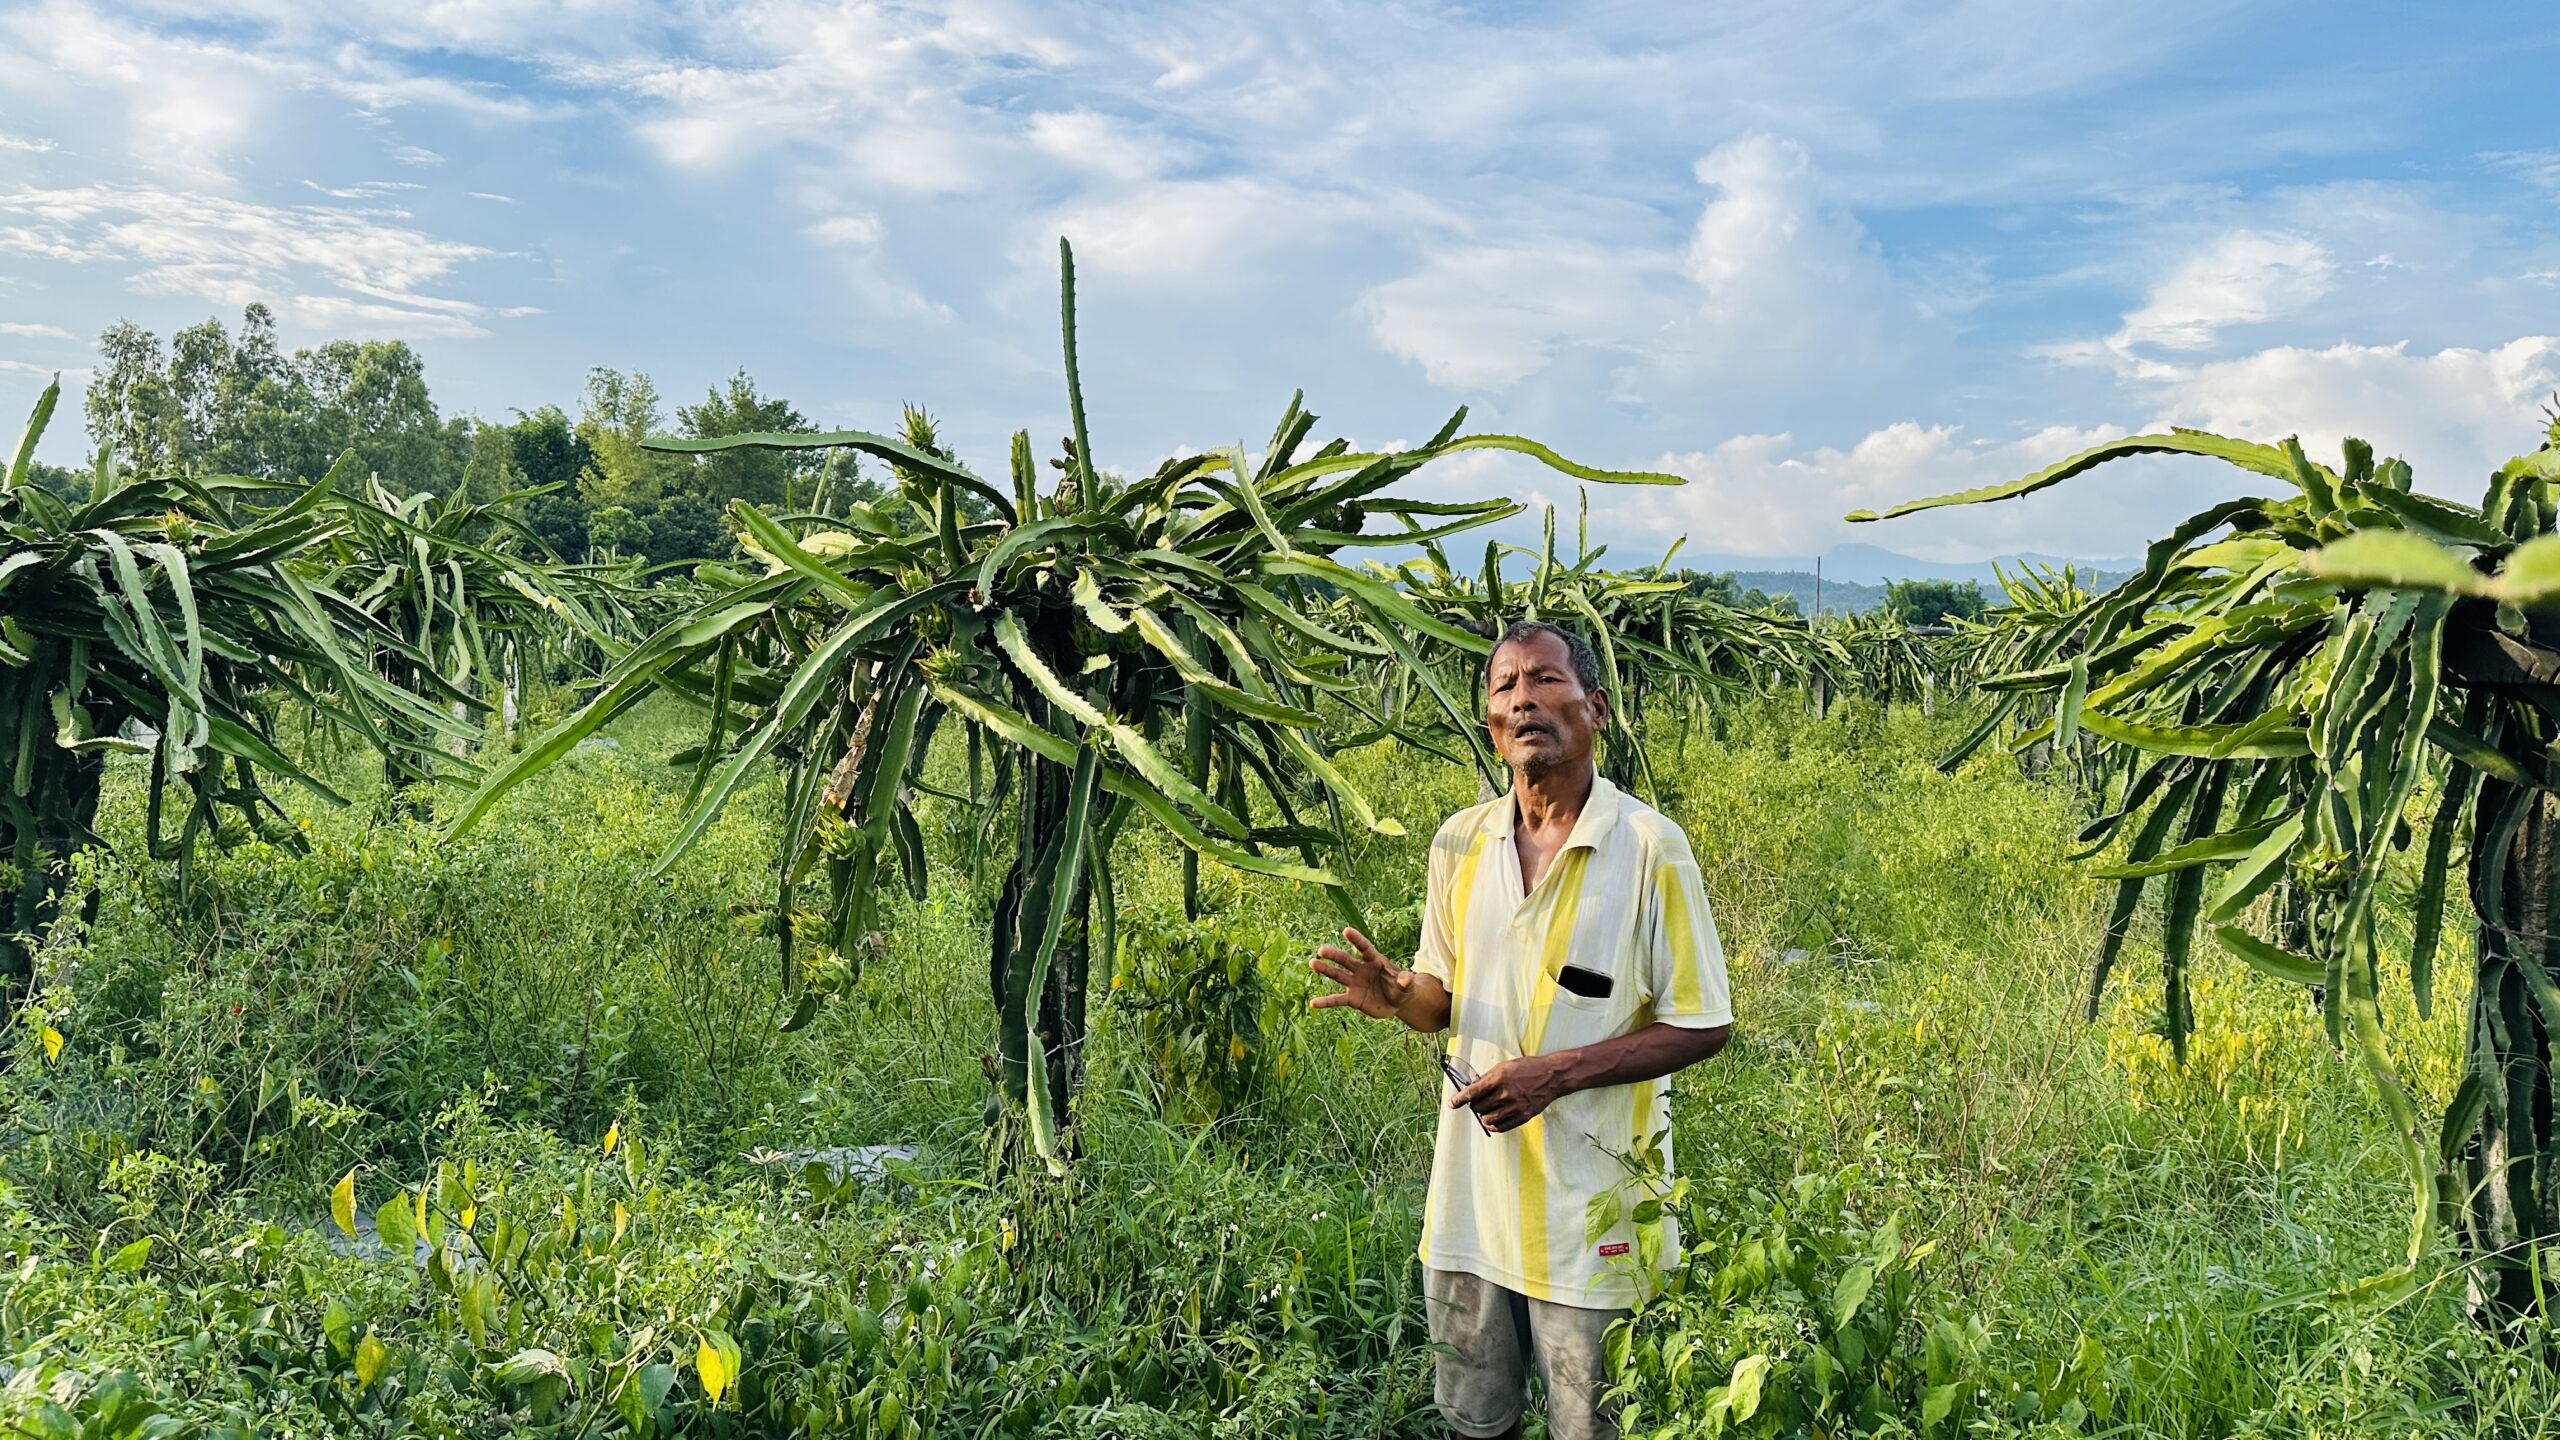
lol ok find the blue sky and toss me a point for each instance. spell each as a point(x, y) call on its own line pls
point(1813, 255)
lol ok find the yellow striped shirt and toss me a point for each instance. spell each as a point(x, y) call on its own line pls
point(1622, 898)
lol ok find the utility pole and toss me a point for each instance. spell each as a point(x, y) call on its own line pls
point(1817, 587)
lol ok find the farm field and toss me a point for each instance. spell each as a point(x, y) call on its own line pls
point(574, 1072)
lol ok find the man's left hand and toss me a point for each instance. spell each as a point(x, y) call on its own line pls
point(1514, 1092)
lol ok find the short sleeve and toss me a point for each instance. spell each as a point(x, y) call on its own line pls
point(1438, 954)
point(1683, 958)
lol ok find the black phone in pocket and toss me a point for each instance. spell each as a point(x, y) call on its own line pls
point(1589, 984)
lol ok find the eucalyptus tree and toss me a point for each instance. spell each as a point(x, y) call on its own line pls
point(2316, 679)
point(171, 616)
point(1118, 649)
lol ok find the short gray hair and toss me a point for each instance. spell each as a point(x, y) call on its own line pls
point(1586, 661)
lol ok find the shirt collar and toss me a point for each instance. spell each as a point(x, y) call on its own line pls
point(1599, 813)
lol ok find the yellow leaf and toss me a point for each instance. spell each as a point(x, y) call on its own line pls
point(342, 1202)
point(371, 1354)
point(715, 1371)
point(469, 1214)
point(621, 1221)
point(612, 1136)
point(52, 1039)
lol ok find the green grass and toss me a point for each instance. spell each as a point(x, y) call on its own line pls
point(2153, 1245)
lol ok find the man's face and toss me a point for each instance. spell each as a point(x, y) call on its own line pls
point(1536, 708)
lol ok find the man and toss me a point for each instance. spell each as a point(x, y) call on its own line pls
point(1566, 943)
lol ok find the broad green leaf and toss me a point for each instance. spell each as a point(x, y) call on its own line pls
point(1743, 1389)
point(1851, 1293)
point(712, 1362)
point(528, 1365)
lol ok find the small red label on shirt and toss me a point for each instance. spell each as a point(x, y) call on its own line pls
point(1608, 1251)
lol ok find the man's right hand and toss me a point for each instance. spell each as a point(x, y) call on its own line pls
point(1369, 983)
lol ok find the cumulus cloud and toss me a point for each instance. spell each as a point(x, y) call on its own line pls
point(2453, 414)
point(1774, 279)
point(2246, 277)
point(1769, 495)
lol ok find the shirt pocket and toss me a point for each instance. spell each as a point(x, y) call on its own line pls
point(1586, 1019)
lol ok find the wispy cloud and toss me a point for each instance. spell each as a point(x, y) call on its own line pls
point(36, 332)
point(211, 247)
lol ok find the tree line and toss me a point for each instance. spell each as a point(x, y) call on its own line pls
point(212, 400)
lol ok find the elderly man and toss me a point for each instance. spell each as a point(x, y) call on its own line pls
point(1566, 944)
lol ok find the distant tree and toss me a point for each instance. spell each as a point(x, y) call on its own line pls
point(617, 529)
point(489, 468)
point(68, 485)
point(371, 396)
point(756, 476)
point(545, 450)
point(618, 413)
point(686, 527)
point(211, 403)
point(1721, 587)
point(129, 406)
point(1934, 602)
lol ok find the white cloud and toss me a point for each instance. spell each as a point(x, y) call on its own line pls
point(231, 252)
point(364, 190)
point(24, 145)
point(418, 155)
point(1190, 232)
point(851, 231)
point(1105, 145)
point(76, 374)
point(37, 332)
point(1765, 495)
point(1483, 317)
point(2453, 415)
point(1774, 281)
point(2537, 167)
point(2246, 277)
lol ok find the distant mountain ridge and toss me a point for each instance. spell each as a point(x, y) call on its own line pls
point(1875, 565)
point(1854, 577)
